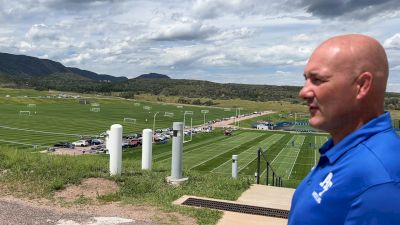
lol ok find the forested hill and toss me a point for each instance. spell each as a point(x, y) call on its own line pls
point(14, 68)
point(174, 87)
point(43, 74)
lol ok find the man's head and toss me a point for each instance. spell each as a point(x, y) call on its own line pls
point(345, 83)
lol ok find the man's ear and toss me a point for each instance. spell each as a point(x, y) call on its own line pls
point(364, 84)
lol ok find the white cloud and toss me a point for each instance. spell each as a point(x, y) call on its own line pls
point(392, 42)
point(77, 59)
point(257, 41)
point(40, 31)
point(233, 34)
point(301, 38)
point(184, 29)
point(24, 46)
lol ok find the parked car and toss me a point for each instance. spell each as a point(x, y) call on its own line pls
point(228, 132)
point(161, 141)
point(81, 143)
point(64, 144)
point(135, 142)
point(96, 142)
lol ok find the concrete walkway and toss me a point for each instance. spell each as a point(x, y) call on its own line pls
point(256, 195)
point(263, 196)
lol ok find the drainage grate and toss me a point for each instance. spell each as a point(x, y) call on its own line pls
point(248, 209)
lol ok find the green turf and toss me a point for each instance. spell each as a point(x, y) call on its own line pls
point(57, 119)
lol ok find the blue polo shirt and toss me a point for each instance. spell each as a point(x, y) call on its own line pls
point(356, 181)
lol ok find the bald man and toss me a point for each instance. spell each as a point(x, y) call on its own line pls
point(357, 178)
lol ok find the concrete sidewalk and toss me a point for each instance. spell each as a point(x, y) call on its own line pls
point(263, 196)
point(256, 195)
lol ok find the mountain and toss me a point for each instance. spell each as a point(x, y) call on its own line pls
point(13, 68)
point(94, 76)
point(22, 66)
point(153, 76)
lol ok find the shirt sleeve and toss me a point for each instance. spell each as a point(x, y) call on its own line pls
point(378, 205)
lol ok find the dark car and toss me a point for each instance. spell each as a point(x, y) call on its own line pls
point(64, 144)
point(135, 142)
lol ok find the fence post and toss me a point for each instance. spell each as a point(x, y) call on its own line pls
point(273, 178)
point(258, 165)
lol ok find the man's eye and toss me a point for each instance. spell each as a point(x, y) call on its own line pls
point(317, 81)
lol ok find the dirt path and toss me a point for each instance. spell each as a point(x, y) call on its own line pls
point(65, 210)
point(225, 123)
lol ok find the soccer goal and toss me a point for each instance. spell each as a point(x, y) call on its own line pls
point(179, 106)
point(136, 104)
point(146, 107)
point(95, 109)
point(301, 117)
point(169, 114)
point(227, 109)
point(24, 113)
point(128, 120)
point(95, 104)
point(31, 105)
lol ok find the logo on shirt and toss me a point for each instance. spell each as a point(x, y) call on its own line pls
point(325, 185)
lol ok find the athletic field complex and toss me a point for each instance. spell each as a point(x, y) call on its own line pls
point(36, 123)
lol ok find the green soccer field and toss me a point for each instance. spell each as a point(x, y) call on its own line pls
point(44, 121)
point(292, 155)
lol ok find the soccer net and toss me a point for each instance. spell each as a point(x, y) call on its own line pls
point(129, 120)
point(95, 104)
point(179, 106)
point(227, 109)
point(24, 113)
point(136, 104)
point(95, 109)
point(169, 114)
point(146, 107)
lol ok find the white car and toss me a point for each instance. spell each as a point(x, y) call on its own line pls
point(81, 143)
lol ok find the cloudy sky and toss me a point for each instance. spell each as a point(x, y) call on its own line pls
point(235, 41)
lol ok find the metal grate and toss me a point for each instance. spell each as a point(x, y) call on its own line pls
point(248, 209)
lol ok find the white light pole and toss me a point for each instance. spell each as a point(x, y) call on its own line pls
point(154, 124)
point(238, 118)
point(205, 111)
point(184, 123)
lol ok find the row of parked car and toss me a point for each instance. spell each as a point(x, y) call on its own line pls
point(160, 136)
point(79, 143)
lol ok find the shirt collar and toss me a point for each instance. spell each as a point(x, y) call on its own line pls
point(374, 126)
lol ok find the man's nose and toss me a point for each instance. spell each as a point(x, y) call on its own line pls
point(306, 92)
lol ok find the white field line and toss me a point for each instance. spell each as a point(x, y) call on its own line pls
point(298, 152)
point(201, 148)
point(191, 148)
point(321, 141)
point(242, 167)
point(236, 142)
point(274, 138)
point(220, 153)
point(277, 156)
point(20, 143)
point(315, 150)
point(42, 132)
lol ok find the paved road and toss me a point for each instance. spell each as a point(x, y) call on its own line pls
point(17, 213)
point(225, 123)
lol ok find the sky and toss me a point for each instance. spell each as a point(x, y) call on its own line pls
point(225, 41)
